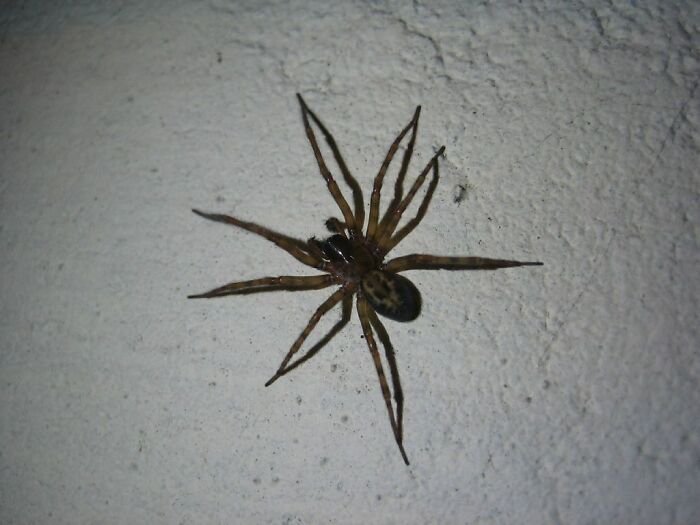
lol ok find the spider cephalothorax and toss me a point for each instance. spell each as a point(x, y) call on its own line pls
point(353, 260)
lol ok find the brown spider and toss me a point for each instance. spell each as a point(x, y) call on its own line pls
point(355, 261)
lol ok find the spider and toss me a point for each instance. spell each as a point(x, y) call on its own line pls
point(353, 260)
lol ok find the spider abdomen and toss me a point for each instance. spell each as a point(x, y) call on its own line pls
point(391, 295)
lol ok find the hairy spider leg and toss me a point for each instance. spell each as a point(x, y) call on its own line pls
point(391, 241)
point(398, 184)
point(379, 179)
point(290, 283)
point(393, 368)
point(435, 262)
point(320, 312)
point(344, 319)
point(325, 173)
point(362, 311)
point(357, 197)
point(293, 247)
point(385, 233)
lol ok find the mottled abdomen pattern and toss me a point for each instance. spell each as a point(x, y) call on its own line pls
point(391, 295)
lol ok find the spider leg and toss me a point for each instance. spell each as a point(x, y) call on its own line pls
point(394, 369)
point(325, 173)
point(390, 242)
point(379, 179)
point(388, 227)
point(268, 284)
point(357, 198)
point(434, 262)
point(362, 308)
point(294, 247)
point(320, 312)
point(345, 318)
point(398, 184)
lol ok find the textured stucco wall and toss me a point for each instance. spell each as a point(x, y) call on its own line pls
point(561, 394)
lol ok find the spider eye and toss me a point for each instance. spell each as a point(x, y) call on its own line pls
point(392, 295)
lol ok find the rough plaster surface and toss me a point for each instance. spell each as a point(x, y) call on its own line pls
point(562, 394)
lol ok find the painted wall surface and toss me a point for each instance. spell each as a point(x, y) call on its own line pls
point(566, 393)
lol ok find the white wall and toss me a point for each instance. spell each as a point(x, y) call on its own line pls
point(561, 394)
